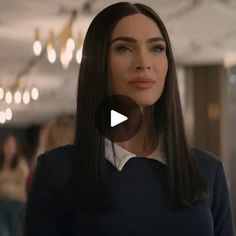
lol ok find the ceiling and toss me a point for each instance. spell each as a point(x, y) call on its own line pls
point(201, 31)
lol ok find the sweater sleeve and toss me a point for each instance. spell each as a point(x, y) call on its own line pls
point(221, 207)
point(45, 210)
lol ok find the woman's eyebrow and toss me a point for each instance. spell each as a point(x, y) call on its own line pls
point(133, 40)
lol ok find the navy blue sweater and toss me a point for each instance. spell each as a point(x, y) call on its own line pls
point(140, 201)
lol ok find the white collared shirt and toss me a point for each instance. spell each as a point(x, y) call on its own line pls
point(123, 155)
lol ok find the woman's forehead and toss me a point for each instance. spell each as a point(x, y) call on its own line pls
point(136, 26)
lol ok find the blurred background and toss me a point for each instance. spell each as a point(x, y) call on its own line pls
point(40, 53)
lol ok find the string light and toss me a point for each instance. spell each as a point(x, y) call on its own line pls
point(17, 97)
point(70, 45)
point(8, 114)
point(8, 97)
point(37, 46)
point(67, 43)
point(1, 93)
point(79, 56)
point(2, 117)
point(34, 93)
point(26, 97)
point(52, 56)
point(79, 48)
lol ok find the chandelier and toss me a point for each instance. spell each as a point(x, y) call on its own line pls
point(63, 46)
point(23, 91)
point(15, 95)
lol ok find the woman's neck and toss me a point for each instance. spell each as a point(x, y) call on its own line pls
point(7, 162)
point(6, 165)
point(145, 140)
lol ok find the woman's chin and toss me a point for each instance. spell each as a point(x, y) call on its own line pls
point(144, 101)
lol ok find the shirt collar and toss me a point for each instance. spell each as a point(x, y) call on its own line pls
point(123, 155)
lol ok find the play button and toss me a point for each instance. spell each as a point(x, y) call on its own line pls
point(118, 118)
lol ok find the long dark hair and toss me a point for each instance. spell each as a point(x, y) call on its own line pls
point(16, 156)
point(186, 186)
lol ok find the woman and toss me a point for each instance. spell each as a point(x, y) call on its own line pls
point(54, 133)
point(150, 184)
point(13, 173)
point(59, 131)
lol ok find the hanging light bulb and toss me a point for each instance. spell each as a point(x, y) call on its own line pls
point(17, 97)
point(8, 97)
point(68, 55)
point(67, 45)
point(79, 55)
point(1, 93)
point(79, 48)
point(37, 46)
point(34, 93)
point(51, 52)
point(69, 41)
point(2, 117)
point(70, 44)
point(8, 114)
point(52, 55)
point(64, 59)
point(26, 97)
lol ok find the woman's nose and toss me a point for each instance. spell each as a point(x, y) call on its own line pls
point(143, 67)
point(142, 61)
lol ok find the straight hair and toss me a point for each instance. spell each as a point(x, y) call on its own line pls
point(185, 183)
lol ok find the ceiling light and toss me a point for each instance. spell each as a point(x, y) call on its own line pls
point(2, 117)
point(37, 46)
point(34, 93)
point(8, 114)
point(1, 93)
point(17, 97)
point(8, 97)
point(26, 97)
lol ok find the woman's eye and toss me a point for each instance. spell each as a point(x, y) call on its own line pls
point(123, 49)
point(158, 48)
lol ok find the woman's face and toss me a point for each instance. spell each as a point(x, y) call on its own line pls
point(10, 147)
point(137, 59)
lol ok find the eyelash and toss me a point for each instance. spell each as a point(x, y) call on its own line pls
point(154, 49)
point(158, 48)
point(122, 48)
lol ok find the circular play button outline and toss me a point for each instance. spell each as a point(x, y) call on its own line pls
point(118, 118)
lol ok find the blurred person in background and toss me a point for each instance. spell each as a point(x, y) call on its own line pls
point(58, 132)
point(13, 173)
point(54, 133)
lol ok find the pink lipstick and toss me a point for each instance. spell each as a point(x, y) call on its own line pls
point(142, 83)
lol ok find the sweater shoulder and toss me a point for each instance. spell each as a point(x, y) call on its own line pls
point(208, 162)
point(59, 154)
point(57, 162)
point(204, 157)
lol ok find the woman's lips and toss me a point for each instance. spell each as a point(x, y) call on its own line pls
point(142, 83)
